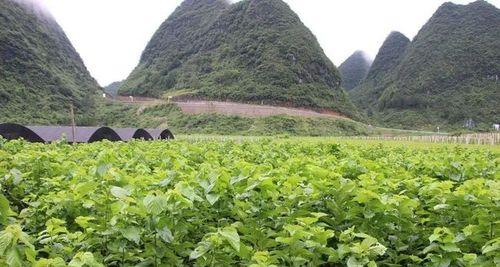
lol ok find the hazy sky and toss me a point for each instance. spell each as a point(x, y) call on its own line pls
point(111, 34)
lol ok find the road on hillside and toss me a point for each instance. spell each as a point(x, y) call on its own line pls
point(232, 108)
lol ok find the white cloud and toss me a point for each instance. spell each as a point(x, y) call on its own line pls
point(111, 34)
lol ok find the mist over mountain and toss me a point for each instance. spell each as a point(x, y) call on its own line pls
point(354, 70)
point(40, 71)
point(249, 51)
point(447, 75)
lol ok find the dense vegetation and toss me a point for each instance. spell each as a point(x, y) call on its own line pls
point(448, 73)
point(170, 115)
point(40, 71)
point(354, 70)
point(249, 203)
point(253, 51)
point(366, 95)
point(112, 88)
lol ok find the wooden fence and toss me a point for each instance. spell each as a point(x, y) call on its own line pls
point(478, 139)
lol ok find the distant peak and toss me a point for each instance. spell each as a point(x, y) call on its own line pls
point(201, 3)
point(396, 34)
point(269, 3)
point(396, 37)
point(452, 6)
point(448, 5)
point(389, 54)
point(481, 3)
point(265, 1)
point(361, 54)
point(354, 69)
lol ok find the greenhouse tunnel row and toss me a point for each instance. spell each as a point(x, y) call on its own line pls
point(47, 134)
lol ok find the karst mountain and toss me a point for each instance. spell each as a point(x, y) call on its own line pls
point(255, 51)
point(41, 74)
point(447, 75)
point(354, 70)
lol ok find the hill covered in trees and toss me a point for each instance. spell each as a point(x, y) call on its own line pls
point(366, 95)
point(251, 51)
point(354, 70)
point(40, 71)
point(447, 74)
point(112, 88)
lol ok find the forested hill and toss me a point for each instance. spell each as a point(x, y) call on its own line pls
point(389, 56)
point(354, 70)
point(112, 88)
point(40, 71)
point(250, 51)
point(447, 74)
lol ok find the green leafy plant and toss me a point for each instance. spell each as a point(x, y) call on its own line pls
point(257, 202)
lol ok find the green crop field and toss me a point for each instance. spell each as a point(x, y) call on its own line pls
point(249, 202)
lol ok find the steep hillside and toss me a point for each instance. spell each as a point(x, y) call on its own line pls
point(251, 51)
point(449, 72)
point(40, 71)
point(389, 56)
point(354, 70)
point(112, 88)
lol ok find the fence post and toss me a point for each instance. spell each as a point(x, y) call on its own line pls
point(73, 124)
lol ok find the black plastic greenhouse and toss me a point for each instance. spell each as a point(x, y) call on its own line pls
point(46, 134)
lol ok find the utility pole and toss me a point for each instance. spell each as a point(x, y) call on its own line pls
point(73, 126)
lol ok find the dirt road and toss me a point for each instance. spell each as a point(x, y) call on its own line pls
point(248, 110)
point(232, 108)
